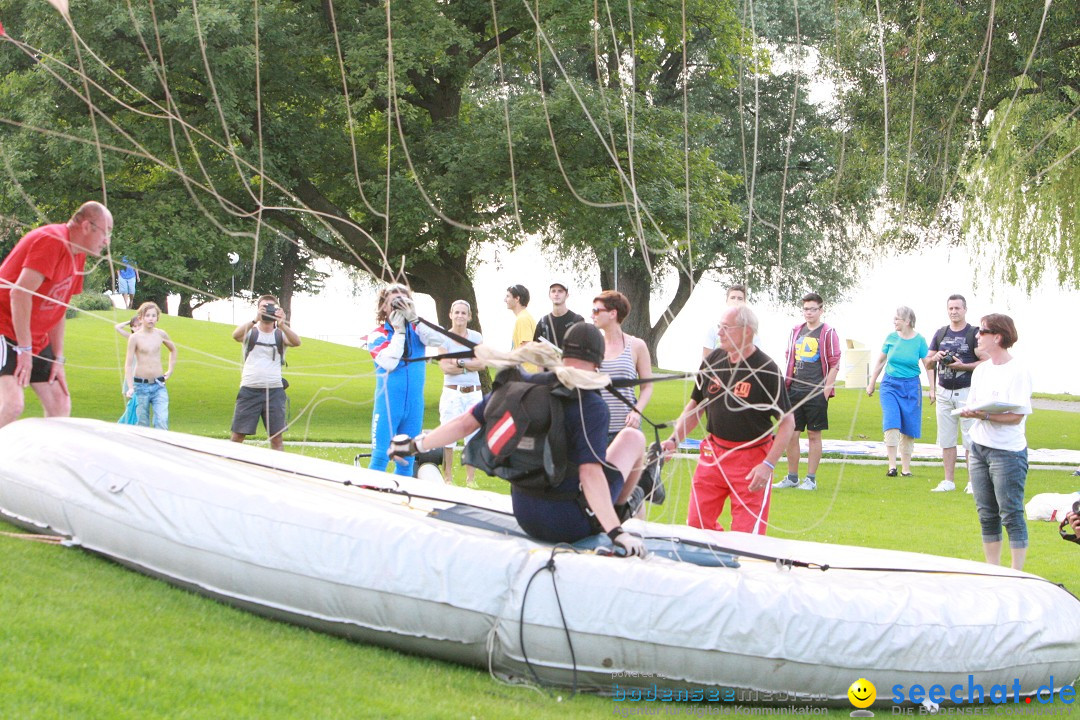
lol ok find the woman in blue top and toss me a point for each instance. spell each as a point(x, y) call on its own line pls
point(901, 389)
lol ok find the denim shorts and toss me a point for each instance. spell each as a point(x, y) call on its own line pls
point(997, 482)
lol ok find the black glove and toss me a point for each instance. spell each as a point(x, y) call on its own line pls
point(629, 545)
point(401, 447)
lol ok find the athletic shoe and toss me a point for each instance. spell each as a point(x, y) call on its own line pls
point(891, 472)
point(651, 480)
point(787, 482)
point(968, 489)
point(807, 484)
point(945, 486)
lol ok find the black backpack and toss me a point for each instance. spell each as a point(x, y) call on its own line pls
point(253, 340)
point(522, 438)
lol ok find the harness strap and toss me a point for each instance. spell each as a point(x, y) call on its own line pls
point(453, 336)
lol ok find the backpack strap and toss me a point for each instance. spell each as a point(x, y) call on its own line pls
point(249, 342)
point(279, 338)
point(939, 335)
point(252, 340)
point(972, 336)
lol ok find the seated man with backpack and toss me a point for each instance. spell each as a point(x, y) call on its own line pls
point(578, 481)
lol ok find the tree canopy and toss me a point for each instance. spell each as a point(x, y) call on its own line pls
point(972, 111)
point(397, 137)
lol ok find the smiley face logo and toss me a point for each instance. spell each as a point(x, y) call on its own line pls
point(862, 693)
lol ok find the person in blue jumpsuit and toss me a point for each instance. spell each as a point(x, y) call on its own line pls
point(399, 385)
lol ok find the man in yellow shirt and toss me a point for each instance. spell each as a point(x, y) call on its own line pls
point(517, 300)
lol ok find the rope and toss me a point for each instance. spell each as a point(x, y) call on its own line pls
point(35, 537)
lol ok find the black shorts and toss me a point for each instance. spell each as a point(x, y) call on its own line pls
point(811, 412)
point(253, 404)
point(39, 371)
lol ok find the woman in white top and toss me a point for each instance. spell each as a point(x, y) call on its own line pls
point(461, 386)
point(999, 401)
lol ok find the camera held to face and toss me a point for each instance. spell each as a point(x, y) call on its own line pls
point(269, 313)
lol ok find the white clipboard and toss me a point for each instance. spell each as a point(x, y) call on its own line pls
point(991, 406)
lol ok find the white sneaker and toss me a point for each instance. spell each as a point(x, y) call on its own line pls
point(968, 489)
point(807, 484)
point(787, 482)
point(945, 486)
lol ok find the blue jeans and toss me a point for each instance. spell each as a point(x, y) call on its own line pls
point(152, 394)
point(997, 482)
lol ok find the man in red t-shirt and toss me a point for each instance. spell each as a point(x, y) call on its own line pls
point(37, 280)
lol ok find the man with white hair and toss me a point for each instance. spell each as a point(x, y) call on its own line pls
point(742, 392)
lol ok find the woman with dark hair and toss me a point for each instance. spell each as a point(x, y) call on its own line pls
point(399, 384)
point(901, 389)
point(625, 356)
point(999, 401)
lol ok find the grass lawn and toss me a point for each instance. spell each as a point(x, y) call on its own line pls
point(83, 638)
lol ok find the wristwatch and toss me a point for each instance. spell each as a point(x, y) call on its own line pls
point(461, 362)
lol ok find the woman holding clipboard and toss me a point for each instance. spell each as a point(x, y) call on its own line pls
point(999, 401)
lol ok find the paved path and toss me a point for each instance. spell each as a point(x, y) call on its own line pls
point(1065, 405)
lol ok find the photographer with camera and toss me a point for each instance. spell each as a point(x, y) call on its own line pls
point(262, 389)
point(954, 354)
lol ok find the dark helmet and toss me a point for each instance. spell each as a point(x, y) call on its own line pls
point(584, 342)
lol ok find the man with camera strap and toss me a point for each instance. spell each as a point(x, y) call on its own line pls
point(262, 389)
point(953, 356)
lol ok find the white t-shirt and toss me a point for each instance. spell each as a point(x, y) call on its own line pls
point(710, 338)
point(262, 368)
point(1009, 382)
point(471, 377)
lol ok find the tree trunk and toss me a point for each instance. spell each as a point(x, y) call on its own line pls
point(184, 308)
point(159, 298)
point(289, 262)
point(636, 283)
point(447, 280)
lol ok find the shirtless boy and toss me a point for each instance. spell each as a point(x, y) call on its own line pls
point(144, 378)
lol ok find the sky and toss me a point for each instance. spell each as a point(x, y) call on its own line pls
point(922, 281)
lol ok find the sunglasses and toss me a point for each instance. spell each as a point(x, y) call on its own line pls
point(597, 311)
point(986, 331)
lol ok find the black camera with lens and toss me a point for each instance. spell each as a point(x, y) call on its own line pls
point(1064, 528)
point(269, 313)
point(947, 358)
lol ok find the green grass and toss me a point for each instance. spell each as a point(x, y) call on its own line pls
point(84, 638)
point(331, 388)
